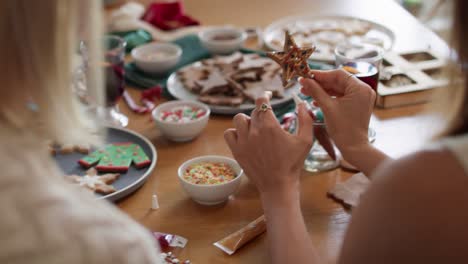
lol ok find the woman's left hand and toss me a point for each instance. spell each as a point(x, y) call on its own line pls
point(271, 157)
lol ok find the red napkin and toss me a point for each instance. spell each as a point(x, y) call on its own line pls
point(168, 15)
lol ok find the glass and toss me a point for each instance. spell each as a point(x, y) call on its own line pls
point(364, 61)
point(113, 69)
point(318, 159)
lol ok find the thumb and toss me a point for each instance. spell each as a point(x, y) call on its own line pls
point(305, 122)
point(313, 89)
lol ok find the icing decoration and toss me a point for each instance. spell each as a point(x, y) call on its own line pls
point(99, 184)
point(116, 157)
point(292, 59)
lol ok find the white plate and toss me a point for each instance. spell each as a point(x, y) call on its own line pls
point(177, 90)
point(275, 31)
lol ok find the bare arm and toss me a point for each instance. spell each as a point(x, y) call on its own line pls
point(366, 158)
point(287, 234)
point(415, 212)
point(273, 160)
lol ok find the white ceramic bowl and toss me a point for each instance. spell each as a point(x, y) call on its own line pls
point(211, 194)
point(181, 132)
point(226, 46)
point(157, 58)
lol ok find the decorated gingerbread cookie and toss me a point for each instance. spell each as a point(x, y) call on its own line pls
point(99, 184)
point(116, 157)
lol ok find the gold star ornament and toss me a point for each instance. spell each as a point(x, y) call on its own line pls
point(293, 60)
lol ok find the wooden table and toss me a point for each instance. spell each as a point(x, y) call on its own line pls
point(398, 131)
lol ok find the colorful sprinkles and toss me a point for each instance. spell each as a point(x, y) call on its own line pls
point(182, 114)
point(209, 173)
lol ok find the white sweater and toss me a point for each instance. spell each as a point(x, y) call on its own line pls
point(44, 219)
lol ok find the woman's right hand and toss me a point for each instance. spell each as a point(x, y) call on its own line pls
point(347, 105)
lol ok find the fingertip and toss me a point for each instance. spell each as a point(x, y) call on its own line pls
point(302, 81)
point(303, 111)
point(230, 136)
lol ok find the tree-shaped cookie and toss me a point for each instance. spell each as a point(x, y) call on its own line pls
point(116, 157)
point(99, 184)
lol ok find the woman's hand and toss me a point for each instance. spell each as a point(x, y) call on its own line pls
point(347, 115)
point(270, 157)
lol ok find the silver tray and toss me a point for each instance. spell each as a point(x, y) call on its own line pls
point(275, 31)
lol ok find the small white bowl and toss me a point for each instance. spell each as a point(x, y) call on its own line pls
point(156, 58)
point(236, 38)
point(211, 194)
point(181, 132)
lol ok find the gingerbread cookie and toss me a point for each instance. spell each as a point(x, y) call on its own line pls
point(235, 78)
point(116, 157)
point(257, 89)
point(65, 149)
point(234, 58)
point(215, 83)
point(249, 76)
point(222, 100)
point(253, 62)
point(99, 184)
point(190, 76)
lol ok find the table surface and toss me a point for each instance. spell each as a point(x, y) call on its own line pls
point(399, 131)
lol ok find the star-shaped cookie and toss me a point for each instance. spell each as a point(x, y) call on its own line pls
point(99, 184)
point(293, 60)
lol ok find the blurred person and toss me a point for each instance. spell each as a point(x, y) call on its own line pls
point(43, 218)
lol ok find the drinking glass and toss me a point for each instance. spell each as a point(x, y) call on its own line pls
point(318, 159)
point(364, 61)
point(113, 68)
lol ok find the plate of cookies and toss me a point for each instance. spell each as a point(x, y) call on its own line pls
point(325, 32)
point(230, 84)
point(112, 171)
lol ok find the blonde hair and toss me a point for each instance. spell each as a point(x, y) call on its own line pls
point(452, 102)
point(39, 39)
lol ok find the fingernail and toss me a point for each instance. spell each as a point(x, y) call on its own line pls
point(301, 80)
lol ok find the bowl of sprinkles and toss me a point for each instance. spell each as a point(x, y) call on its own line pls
point(181, 121)
point(210, 180)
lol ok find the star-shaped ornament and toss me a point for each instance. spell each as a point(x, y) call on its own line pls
point(293, 60)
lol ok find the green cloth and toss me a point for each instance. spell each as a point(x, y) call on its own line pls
point(192, 51)
point(134, 38)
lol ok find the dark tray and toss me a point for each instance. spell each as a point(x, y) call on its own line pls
point(128, 182)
